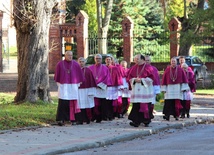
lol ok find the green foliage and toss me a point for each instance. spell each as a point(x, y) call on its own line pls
point(72, 9)
point(90, 8)
point(174, 8)
point(26, 114)
point(13, 51)
point(160, 97)
point(148, 25)
point(205, 52)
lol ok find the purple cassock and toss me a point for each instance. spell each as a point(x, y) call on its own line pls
point(101, 74)
point(191, 80)
point(174, 75)
point(89, 78)
point(140, 112)
point(156, 75)
point(123, 71)
point(116, 76)
point(141, 71)
point(64, 72)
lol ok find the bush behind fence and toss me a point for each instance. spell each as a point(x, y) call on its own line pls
point(157, 48)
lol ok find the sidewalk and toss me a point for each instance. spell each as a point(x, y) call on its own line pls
point(56, 140)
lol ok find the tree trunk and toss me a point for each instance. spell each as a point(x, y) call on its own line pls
point(187, 26)
point(102, 40)
point(32, 21)
point(103, 24)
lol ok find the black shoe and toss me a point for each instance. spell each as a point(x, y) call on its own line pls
point(134, 124)
point(105, 119)
point(98, 121)
point(119, 115)
point(176, 118)
point(93, 119)
point(73, 123)
point(188, 116)
point(79, 123)
point(166, 118)
point(110, 118)
point(182, 116)
point(146, 125)
point(88, 121)
point(152, 116)
point(61, 123)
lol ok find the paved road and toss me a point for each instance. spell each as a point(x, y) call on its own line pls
point(192, 140)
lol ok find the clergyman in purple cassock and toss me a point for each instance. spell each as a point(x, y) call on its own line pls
point(188, 95)
point(68, 76)
point(156, 82)
point(141, 80)
point(103, 79)
point(87, 91)
point(111, 103)
point(174, 82)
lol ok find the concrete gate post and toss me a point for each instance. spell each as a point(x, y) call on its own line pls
point(127, 33)
point(174, 26)
point(82, 34)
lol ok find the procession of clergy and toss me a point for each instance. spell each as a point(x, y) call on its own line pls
point(103, 92)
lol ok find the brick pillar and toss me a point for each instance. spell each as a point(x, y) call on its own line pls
point(127, 33)
point(1, 33)
point(174, 26)
point(82, 34)
point(55, 46)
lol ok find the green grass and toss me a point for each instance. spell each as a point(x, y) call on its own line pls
point(205, 91)
point(23, 115)
point(158, 106)
point(13, 51)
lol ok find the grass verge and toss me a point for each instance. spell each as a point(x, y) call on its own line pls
point(205, 91)
point(23, 115)
point(14, 116)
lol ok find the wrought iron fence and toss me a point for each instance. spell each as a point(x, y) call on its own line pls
point(157, 47)
point(204, 50)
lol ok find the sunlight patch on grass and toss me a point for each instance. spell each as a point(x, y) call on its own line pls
point(205, 91)
point(25, 114)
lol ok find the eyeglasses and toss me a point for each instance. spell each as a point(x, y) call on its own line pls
point(97, 58)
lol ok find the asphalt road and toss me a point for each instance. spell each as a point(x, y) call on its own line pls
point(192, 140)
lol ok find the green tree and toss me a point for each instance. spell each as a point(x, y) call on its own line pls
point(72, 9)
point(193, 18)
point(104, 10)
point(208, 29)
point(103, 14)
point(174, 8)
point(190, 23)
point(32, 21)
point(148, 24)
point(90, 8)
